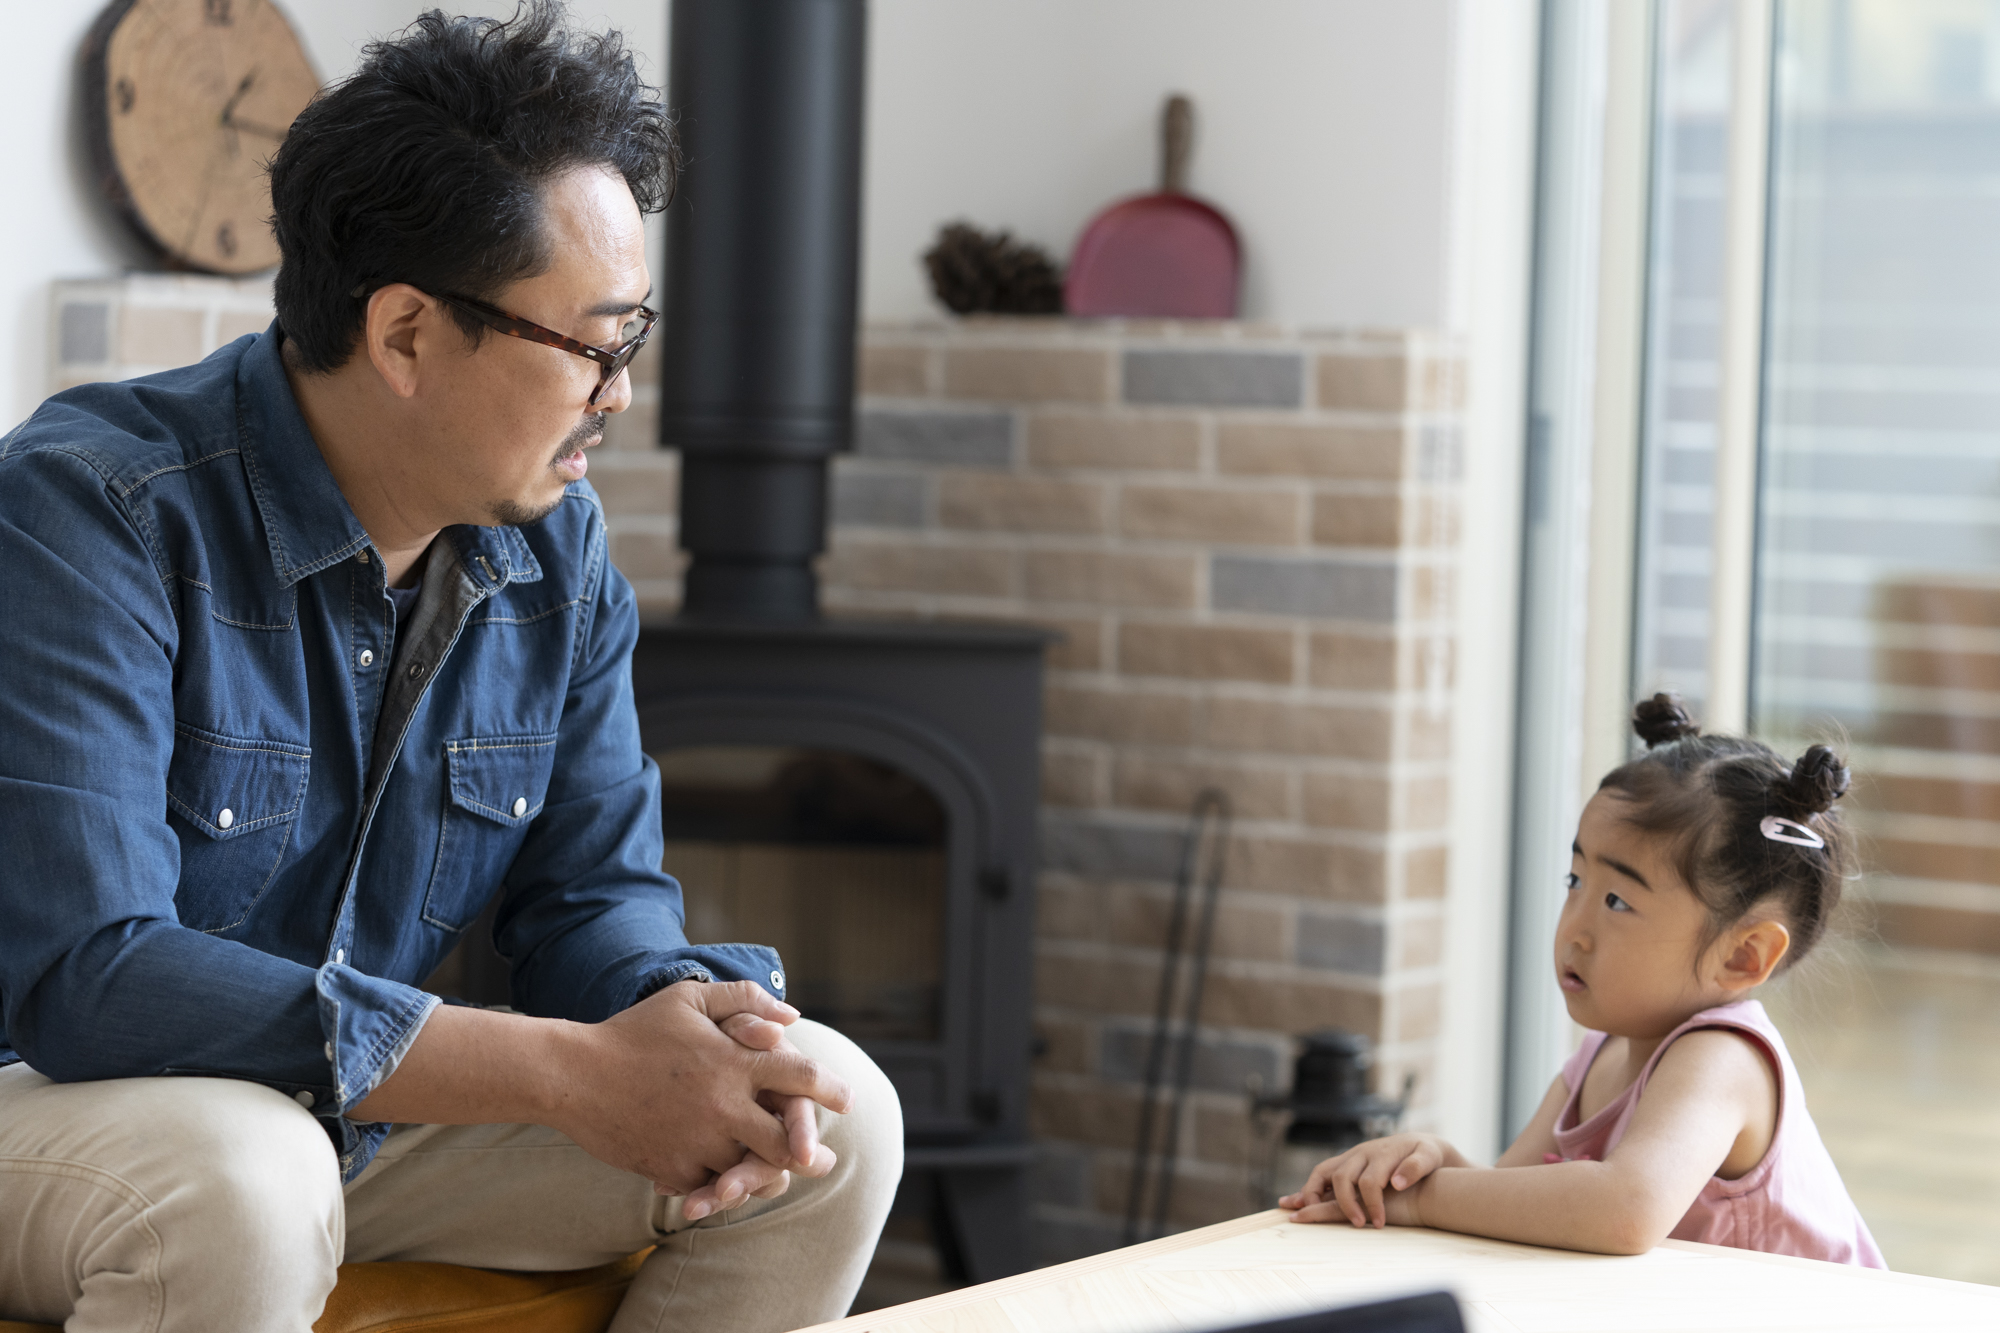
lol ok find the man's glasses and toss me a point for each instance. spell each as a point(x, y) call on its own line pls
point(610, 361)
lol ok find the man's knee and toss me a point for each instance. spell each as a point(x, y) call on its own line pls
point(165, 1135)
point(257, 1170)
point(189, 1185)
point(869, 1138)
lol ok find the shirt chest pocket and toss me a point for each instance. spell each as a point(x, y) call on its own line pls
point(497, 785)
point(233, 803)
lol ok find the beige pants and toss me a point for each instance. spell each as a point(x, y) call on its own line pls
point(195, 1205)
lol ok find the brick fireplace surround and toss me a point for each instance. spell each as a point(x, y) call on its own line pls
point(1246, 536)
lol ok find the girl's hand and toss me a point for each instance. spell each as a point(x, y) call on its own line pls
point(1352, 1186)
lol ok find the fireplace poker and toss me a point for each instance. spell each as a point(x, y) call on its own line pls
point(1204, 850)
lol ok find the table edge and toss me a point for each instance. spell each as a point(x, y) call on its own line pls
point(1238, 1226)
point(1039, 1277)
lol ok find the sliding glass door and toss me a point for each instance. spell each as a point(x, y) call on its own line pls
point(1875, 617)
point(1684, 297)
point(1878, 596)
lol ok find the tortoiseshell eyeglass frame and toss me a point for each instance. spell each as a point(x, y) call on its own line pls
point(609, 361)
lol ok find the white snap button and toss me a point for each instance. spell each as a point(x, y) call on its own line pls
point(361, 556)
point(520, 806)
point(367, 657)
point(340, 955)
point(303, 1098)
point(225, 819)
point(777, 981)
point(329, 1052)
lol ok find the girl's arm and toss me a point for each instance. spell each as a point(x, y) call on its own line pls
point(1707, 1091)
point(1357, 1185)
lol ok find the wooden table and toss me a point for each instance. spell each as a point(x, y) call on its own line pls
point(1262, 1267)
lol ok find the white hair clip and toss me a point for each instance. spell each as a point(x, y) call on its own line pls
point(1790, 830)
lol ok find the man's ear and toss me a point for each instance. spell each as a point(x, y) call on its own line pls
point(402, 325)
point(1751, 953)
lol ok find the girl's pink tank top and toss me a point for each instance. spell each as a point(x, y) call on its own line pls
point(1792, 1202)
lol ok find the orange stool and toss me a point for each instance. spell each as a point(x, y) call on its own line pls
point(420, 1298)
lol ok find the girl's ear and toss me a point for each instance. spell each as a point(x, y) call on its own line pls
point(1751, 953)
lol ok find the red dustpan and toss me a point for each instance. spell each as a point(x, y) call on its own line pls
point(1158, 256)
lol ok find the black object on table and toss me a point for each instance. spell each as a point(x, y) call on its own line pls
point(1432, 1312)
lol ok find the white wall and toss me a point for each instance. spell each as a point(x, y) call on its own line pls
point(1323, 129)
point(1486, 298)
point(53, 225)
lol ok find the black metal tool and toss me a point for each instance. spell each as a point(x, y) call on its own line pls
point(1330, 1102)
point(1329, 1105)
point(1203, 854)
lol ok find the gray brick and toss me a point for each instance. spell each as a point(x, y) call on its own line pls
point(1341, 944)
point(1322, 589)
point(878, 499)
point(1095, 847)
point(978, 439)
point(1219, 1064)
point(85, 334)
point(1215, 379)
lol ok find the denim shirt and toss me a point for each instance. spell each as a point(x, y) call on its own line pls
point(232, 842)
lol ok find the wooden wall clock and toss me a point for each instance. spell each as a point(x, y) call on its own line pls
point(185, 101)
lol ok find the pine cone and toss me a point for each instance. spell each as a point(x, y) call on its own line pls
point(976, 273)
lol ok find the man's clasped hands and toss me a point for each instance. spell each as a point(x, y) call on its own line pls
point(697, 1089)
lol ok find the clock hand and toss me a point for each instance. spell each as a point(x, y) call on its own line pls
point(229, 107)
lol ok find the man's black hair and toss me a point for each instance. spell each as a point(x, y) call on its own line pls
point(426, 165)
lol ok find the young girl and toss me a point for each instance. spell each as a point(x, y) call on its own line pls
point(1699, 870)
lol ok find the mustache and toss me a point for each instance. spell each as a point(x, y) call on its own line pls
point(586, 430)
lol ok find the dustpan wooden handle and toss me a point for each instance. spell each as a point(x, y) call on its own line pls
point(1176, 141)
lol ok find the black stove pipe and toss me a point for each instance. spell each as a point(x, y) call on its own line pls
point(763, 253)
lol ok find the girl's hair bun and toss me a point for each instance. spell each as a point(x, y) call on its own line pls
point(1661, 720)
point(1717, 803)
point(1816, 781)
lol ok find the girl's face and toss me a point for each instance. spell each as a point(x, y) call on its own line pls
point(1626, 945)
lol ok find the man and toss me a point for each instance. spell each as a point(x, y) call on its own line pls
point(312, 650)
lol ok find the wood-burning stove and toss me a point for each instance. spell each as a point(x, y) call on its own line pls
point(864, 796)
point(907, 906)
point(823, 743)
